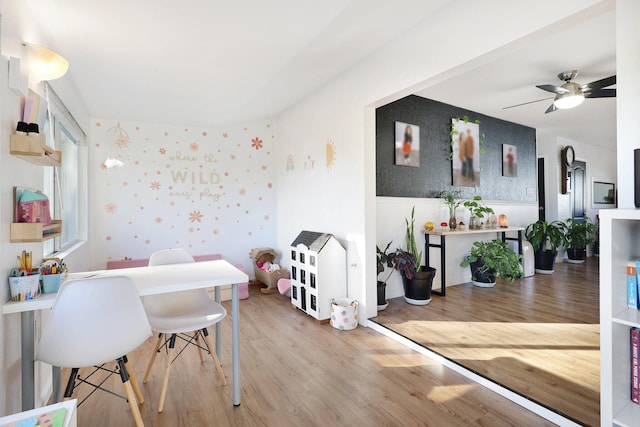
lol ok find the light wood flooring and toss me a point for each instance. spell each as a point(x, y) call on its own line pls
point(297, 372)
point(539, 337)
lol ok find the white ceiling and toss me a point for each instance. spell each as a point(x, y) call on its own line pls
point(215, 62)
point(588, 47)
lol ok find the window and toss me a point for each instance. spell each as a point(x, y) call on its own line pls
point(65, 186)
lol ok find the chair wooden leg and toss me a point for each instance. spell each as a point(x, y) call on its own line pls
point(214, 356)
point(134, 383)
point(153, 358)
point(197, 335)
point(128, 389)
point(165, 381)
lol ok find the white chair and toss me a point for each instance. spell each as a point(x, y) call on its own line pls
point(174, 315)
point(93, 322)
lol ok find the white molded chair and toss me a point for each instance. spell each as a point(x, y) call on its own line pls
point(174, 315)
point(95, 321)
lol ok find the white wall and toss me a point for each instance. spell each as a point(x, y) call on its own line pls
point(391, 229)
point(17, 26)
point(332, 201)
point(628, 94)
point(208, 190)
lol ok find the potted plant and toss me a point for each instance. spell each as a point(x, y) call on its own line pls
point(416, 278)
point(451, 200)
point(491, 259)
point(384, 259)
point(545, 238)
point(578, 235)
point(596, 237)
point(477, 211)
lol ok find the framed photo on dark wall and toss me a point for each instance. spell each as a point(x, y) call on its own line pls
point(465, 160)
point(509, 160)
point(407, 144)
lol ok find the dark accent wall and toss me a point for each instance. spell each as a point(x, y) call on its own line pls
point(434, 174)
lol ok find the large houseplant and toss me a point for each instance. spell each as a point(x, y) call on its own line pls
point(491, 259)
point(416, 278)
point(545, 238)
point(578, 235)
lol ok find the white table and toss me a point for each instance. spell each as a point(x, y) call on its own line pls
point(443, 233)
point(150, 280)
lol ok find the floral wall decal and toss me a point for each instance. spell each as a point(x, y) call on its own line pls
point(208, 190)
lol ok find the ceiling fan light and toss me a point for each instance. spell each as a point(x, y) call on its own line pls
point(565, 101)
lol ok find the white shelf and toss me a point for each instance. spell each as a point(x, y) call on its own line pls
point(620, 243)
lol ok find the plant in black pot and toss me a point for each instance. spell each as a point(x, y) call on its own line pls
point(578, 235)
point(490, 259)
point(416, 278)
point(545, 238)
point(384, 259)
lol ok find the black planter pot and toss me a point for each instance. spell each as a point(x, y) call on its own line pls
point(482, 276)
point(545, 261)
point(576, 256)
point(417, 290)
point(382, 301)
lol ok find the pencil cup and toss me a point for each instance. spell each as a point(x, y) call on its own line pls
point(50, 283)
point(24, 287)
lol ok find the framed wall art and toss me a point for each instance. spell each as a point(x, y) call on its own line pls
point(407, 144)
point(509, 160)
point(465, 161)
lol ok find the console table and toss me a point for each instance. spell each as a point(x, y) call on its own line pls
point(443, 233)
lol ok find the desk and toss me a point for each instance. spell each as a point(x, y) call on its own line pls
point(443, 233)
point(149, 280)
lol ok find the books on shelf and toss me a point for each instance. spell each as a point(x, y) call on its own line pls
point(635, 371)
point(633, 268)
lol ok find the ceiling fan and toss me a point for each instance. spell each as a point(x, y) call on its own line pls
point(571, 94)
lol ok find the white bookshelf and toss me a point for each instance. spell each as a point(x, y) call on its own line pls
point(619, 244)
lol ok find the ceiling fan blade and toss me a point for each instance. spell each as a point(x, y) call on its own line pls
point(526, 103)
point(552, 88)
point(601, 93)
point(551, 109)
point(599, 84)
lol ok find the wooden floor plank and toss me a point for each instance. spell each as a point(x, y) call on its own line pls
point(298, 372)
point(539, 337)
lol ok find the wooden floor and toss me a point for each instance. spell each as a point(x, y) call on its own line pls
point(539, 337)
point(297, 372)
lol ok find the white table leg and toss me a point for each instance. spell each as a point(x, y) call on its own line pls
point(235, 335)
point(217, 339)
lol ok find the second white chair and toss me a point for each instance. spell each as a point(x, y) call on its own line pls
point(185, 315)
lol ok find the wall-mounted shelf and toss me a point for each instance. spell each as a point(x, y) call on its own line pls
point(35, 231)
point(32, 149)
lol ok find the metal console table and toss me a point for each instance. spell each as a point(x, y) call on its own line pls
point(443, 233)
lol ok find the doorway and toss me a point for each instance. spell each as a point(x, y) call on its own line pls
point(578, 176)
point(542, 207)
